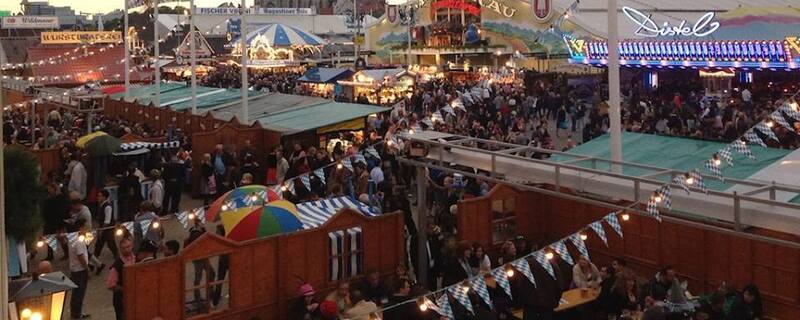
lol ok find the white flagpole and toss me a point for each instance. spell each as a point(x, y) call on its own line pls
point(193, 56)
point(157, 54)
point(127, 52)
point(243, 43)
point(613, 85)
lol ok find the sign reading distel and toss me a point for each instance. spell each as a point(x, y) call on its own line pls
point(649, 28)
point(73, 37)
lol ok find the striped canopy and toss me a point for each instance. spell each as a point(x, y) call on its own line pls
point(315, 213)
point(281, 35)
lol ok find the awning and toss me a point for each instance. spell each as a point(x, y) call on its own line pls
point(352, 125)
point(315, 213)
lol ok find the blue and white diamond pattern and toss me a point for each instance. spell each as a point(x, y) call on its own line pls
point(500, 277)
point(790, 112)
point(372, 152)
point(306, 180)
point(478, 283)
point(578, 242)
point(725, 153)
point(347, 164)
point(679, 180)
point(522, 266)
point(541, 258)
point(754, 138)
point(699, 182)
point(560, 248)
point(761, 126)
point(612, 221)
point(461, 294)
point(320, 173)
point(444, 304)
point(598, 229)
point(741, 147)
point(778, 117)
point(714, 169)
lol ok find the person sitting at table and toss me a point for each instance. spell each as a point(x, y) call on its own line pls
point(585, 274)
point(624, 298)
point(748, 306)
point(508, 253)
point(712, 307)
point(655, 307)
point(458, 269)
point(608, 276)
point(666, 282)
point(480, 262)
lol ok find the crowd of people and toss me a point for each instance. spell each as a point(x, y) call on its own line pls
point(548, 116)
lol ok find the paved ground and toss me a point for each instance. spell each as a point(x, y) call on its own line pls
point(98, 299)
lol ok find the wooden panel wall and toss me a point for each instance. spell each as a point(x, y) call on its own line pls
point(49, 160)
point(702, 257)
point(263, 273)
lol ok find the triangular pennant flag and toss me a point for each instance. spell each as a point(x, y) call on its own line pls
point(320, 173)
point(449, 109)
point(347, 164)
point(262, 194)
point(725, 153)
point(461, 295)
point(612, 221)
point(579, 244)
point(681, 181)
point(374, 153)
point(201, 215)
point(182, 217)
point(524, 267)
point(790, 112)
point(478, 283)
point(560, 248)
point(714, 169)
point(52, 242)
point(652, 209)
point(431, 305)
point(72, 237)
point(290, 186)
point(761, 126)
point(698, 180)
point(754, 138)
point(128, 226)
point(541, 258)
point(427, 121)
point(741, 147)
point(598, 229)
point(444, 304)
point(145, 225)
point(501, 278)
point(666, 196)
point(306, 180)
point(778, 117)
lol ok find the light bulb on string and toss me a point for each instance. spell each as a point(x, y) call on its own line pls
point(253, 198)
point(284, 188)
point(657, 198)
point(224, 207)
point(549, 255)
point(625, 217)
point(715, 159)
point(119, 232)
point(509, 271)
point(687, 178)
point(770, 124)
point(423, 304)
point(156, 224)
point(339, 166)
point(583, 236)
point(191, 216)
point(39, 244)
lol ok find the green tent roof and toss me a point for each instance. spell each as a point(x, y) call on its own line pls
point(317, 116)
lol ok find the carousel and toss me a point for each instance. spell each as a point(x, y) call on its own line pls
point(279, 46)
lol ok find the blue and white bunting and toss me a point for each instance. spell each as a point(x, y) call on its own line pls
point(612, 221)
point(598, 229)
point(427, 121)
point(714, 169)
point(128, 226)
point(681, 181)
point(52, 242)
point(778, 117)
point(478, 284)
point(501, 278)
point(725, 153)
point(306, 180)
point(541, 258)
point(320, 173)
point(560, 248)
point(666, 196)
point(761, 126)
point(792, 113)
point(201, 215)
point(523, 267)
point(431, 305)
point(652, 209)
point(360, 158)
point(461, 295)
point(444, 304)
point(752, 137)
point(145, 225)
point(579, 244)
point(699, 182)
point(72, 237)
point(290, 186)
point(741, 147)
point(183, 219)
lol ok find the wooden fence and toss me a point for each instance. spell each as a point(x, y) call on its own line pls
point(704, 258)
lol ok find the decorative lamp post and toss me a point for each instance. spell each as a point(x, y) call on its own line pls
point(407, 13)
point(41, 297)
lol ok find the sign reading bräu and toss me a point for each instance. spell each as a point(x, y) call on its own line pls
point(646, 27)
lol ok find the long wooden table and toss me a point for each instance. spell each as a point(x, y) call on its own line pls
point(570, 299)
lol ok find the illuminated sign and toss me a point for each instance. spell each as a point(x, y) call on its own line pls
point(458, 4)
point(73, 37)
point(732, 51)
point(649, 28)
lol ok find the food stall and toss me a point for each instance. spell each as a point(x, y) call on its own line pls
point(323, 82)
point(381, 86)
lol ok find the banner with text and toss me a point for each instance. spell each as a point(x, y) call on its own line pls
point(283, 11)
point(214, 11)
point(30, 22)
point(72, 37)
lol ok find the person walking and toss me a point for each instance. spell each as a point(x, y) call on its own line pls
point(114, 281)
point(174, 172)
point(108, 218)
point(139, 232)
point(79, 274)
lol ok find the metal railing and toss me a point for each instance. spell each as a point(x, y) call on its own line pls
point(500, 151)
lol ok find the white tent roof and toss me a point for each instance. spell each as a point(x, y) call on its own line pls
point(317, 24)
point(592, 14)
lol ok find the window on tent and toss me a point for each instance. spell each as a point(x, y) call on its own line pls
point(345, 254)
point(504, 220)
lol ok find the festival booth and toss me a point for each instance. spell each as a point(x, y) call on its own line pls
point(426, 73)
point(205, 58)
point(323, 82)
point(340, 239)
point(277, 47)
point(381, 86)
point(752, 46)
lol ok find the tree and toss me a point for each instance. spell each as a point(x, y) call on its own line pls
point(23, 193)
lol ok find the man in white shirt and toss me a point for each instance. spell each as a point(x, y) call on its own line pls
point(106, 237)
point(156, 193)
point(79, 274)
point(77, 179)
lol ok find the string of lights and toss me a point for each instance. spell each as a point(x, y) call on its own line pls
point(69, 56)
